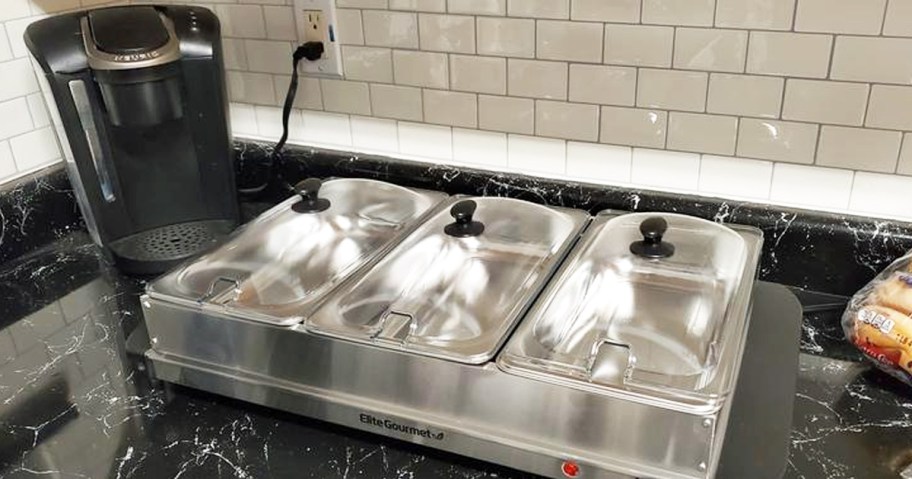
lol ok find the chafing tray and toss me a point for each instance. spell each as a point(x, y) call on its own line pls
point(531, 336)
point(458, 283)
point(282, 265)
point(650, 307)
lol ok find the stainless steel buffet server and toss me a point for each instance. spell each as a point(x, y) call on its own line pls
point(535, 337)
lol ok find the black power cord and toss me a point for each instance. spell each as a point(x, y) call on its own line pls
point(311, 51)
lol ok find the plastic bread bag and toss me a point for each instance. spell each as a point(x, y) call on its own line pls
point(878, 320)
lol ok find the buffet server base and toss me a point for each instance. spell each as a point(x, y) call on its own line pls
point(477, 411)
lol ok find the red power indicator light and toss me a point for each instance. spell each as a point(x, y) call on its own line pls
point(570, 469)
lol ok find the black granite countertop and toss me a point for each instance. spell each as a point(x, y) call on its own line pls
point(76, 402)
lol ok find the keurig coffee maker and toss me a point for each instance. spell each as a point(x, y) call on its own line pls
point(137, 95)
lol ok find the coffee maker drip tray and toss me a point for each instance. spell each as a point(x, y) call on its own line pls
point(163, 247)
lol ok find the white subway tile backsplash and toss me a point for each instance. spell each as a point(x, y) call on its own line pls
point(557, 9)
point(759, 14)
point(825, 102)
point(14, 9)
point(7, 162)
point(746, 95)
point(53, 6)
point(18, 79)
point(38, 110)
point(789, 54)
point(679, 12)
point(483, 148)
point(424, 69)
point(507, 37)
point(638, 45)
point(447, 33)
point(702, 133)
point(898, 20)
point(736, 177)
point(267, 56)
point(806, 185)
point(905, 156)
point(859, 148)
point(248, 87)
point(15, 30)
point(346, 96)
point(242, 21)
point(452, 63)
point(308, 96)
point(480, 7)
point(603, 84)
point(263, 2)
point(633, 126)
point(539, 79)
point(665, 169)
point(510, 115)
point(840, 16)
point(6, 52)
point(881, 194)
point(873, 59)
point(35, 149)
point(571, 121)
point(280, 23)
point(269, 122)
point(243, 119)
point(390, 29)
point(362, 3)
point(890, 107)
point(599, 163)
point(569, 41)
point(451, 108)
point(621, 11)
point(329, 129)
point(777, 140)
point(478, 74)
point(540, 155)
point(672, 89)
point(710, 49)
point(418, 5)
point(427, 141)
point(296, 129)
point(399, 102)
point(367, 63)
point(15, 118)
point(351, 30)
point(375, 134)
point(234, 53)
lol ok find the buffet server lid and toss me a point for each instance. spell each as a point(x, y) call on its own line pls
point(650, 306)
point(455, 287)
point(280, 266)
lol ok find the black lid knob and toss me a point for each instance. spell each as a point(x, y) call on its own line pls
point(653, 230)
point(464, 226)
point(309, 191)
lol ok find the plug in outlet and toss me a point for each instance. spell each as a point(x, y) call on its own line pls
point(316, 22)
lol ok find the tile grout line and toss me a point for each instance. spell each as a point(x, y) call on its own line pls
point(883, 18)
point(867, 106)
point(794, 15)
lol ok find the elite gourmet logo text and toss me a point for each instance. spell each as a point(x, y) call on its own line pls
point(401, 428)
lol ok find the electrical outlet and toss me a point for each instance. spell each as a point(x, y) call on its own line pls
point(316, 22)
point(314, 26)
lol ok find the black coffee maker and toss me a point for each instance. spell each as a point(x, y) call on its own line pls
point(137, 95)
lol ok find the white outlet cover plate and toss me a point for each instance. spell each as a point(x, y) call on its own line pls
point(330, 65)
